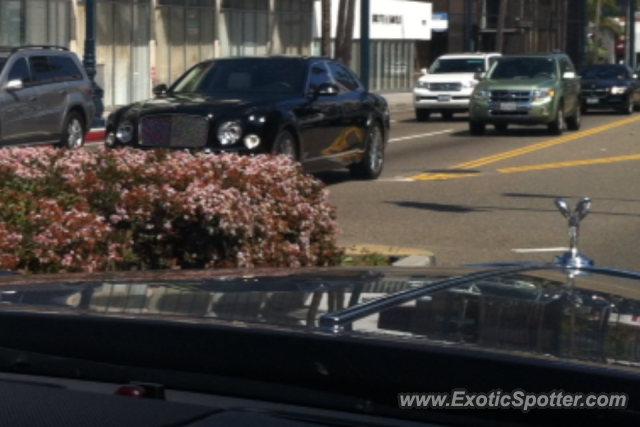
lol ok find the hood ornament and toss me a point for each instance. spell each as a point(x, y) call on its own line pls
point(573, 258)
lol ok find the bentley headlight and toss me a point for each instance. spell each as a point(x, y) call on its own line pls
point(543, 94)
point(618, 90)
point(124, 133)
point(229, 133)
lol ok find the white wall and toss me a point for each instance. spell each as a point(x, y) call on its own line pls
point(411, 20)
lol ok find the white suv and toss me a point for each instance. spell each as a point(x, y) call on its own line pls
point(447, 86)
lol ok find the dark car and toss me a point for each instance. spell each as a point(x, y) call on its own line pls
point(312, 109)
point(45, 97)
point(610, 87)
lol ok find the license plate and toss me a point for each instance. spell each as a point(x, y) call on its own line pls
point(508, 106)
point(592, 100)
point(444, 98)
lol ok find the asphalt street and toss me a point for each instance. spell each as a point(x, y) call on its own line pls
point(491, 198)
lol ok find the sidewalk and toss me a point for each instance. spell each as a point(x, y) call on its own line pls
point(398, 101)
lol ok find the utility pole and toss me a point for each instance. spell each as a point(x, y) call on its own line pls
point(364, 42)
point(89, 60)
point(468, 37)
point(596, 33)
point(502, 14)
point(631, 34)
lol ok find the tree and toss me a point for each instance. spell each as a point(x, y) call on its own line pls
point(325, 49)
point(340, 33)
point(348, 33)
point(601, 14)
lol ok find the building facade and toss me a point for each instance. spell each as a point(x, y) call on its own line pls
point(140, 43)
point(529, 26)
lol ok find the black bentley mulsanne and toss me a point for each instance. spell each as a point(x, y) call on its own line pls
point(312, 109)
point(610, 87)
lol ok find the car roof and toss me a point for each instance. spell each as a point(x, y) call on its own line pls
point(470, 55)
point(267, 57)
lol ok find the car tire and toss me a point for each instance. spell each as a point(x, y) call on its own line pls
point(285, 144)
point(73, 132)
point(423, 115)
point(501, 127)
point(477, 129)
point(371, 165)
point(556, 127)
point(447, 116)
point(574, 122)
point(637, 106)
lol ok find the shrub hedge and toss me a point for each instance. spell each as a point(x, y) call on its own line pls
point(82, 211)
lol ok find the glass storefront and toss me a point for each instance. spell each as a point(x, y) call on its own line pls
point(122, 50)
point(291, 27)
point(35, 22)
point(392, 63)
point(140, 43)
point(185, 34)
point(244, 27)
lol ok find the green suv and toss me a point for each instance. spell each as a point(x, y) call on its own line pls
point(527, 89)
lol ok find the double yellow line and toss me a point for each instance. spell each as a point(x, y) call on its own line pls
point(529, 149)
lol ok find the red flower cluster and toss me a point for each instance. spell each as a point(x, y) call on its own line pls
point(74, 210)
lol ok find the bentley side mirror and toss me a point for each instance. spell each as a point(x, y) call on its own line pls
point(14, 85)
point(160, 89)
point(327, 89)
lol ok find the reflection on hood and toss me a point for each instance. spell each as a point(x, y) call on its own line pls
point(535, 312)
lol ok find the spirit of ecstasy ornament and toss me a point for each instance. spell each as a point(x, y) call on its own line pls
point(574, 258)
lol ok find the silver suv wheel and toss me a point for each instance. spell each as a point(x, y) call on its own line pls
point(72, 132)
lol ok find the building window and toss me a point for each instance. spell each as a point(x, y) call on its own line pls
point(244, 27)
point(185, 32)
point(292, 27)
point(35, 22)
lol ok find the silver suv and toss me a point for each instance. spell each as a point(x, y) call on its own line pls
point(45, 97)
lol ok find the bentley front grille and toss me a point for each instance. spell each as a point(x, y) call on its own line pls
point(174, 130)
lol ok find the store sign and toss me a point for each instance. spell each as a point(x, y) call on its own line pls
point(388, 20)
point(440, 23)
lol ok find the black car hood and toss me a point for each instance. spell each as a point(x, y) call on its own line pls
point(200, 103)
point(536, 312)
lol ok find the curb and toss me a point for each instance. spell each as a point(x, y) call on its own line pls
point(405, 257)
point(95, 135)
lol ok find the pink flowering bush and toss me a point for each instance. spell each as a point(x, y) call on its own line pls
point(75, 210)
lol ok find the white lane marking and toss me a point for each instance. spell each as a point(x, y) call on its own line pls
point(422, 135)
point(533, 250)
